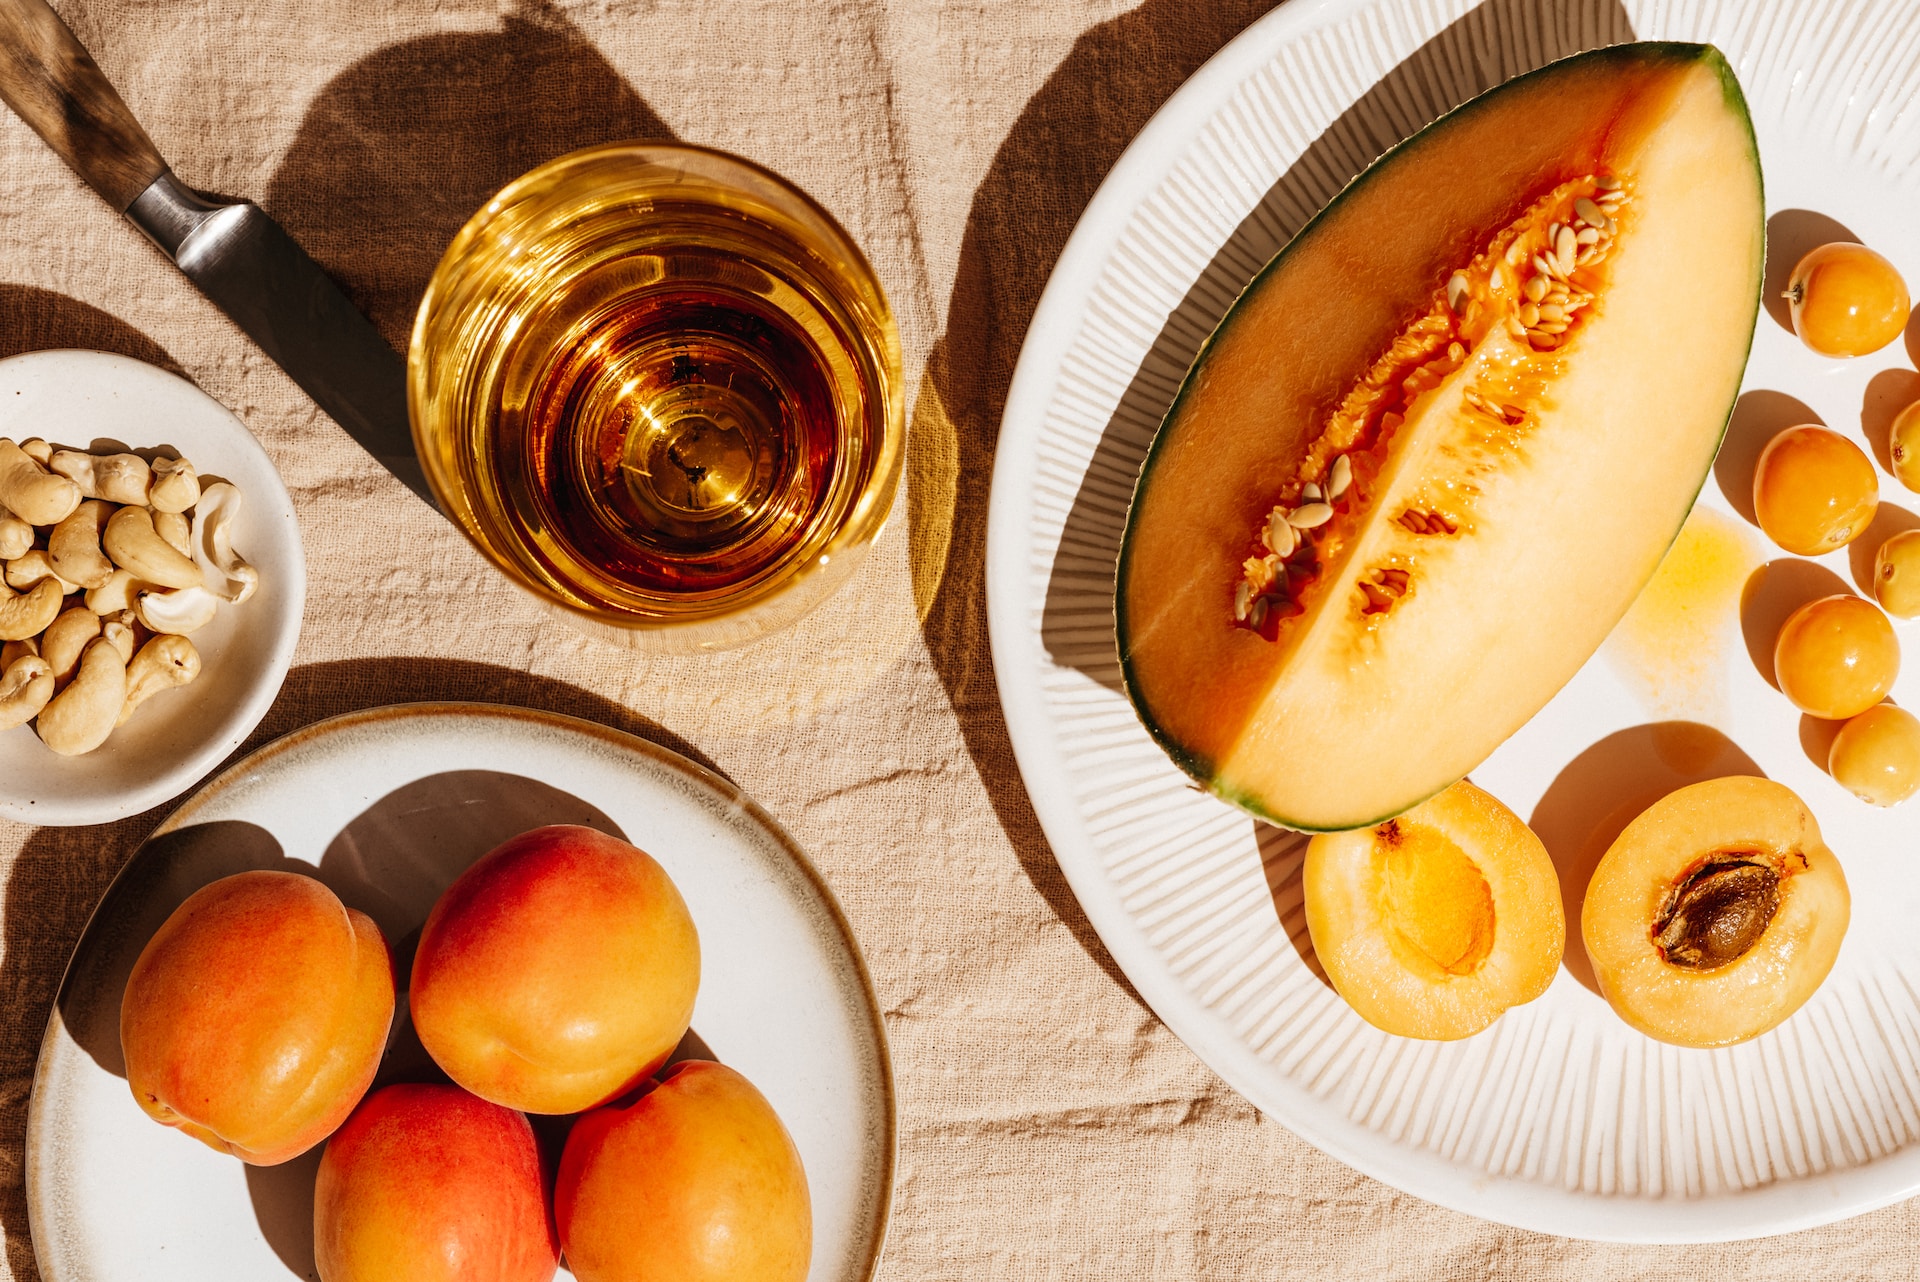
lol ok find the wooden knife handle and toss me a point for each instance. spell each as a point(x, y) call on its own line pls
point(55, 86)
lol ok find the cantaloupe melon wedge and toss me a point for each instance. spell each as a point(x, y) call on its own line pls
point(1513, 473)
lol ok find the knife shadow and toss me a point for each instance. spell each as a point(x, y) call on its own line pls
point(400, 149)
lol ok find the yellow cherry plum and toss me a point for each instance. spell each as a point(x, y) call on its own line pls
point(1814, 490)
point(1836, 657)
point(1847, 300)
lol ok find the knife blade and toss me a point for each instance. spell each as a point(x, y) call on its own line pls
point(238, 256)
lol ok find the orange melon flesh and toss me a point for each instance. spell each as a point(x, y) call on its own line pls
point(1348, 716)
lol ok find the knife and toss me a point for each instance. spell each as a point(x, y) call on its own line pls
point(240, 258)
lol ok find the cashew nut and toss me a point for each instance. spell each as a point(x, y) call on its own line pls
point(176, 487)
point(176, 529)
point(116, 594)
point(33, 567)
point(74, 546)
point(119, 631)
point(117, 478)
point(183, 611)
point(162, 664)
point(37, 450)
point(66, 637)
point(135, 545)
point(17, 649)
point(24, 690)
point(32, 493)
point(80, 717)
point(28, 615)
point(220, 565)
point(16, 536)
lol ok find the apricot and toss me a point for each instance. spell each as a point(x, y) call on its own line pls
point(432, 1184)
point(1433, 924)
point(556, 973)
point(255, 1017)
point(696, 1181)
point(1716, 913)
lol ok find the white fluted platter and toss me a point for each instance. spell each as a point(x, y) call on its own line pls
point(1559, 1117)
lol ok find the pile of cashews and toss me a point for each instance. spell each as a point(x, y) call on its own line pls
point(148, 550)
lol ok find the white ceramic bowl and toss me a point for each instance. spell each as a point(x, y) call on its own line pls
point(97, 401)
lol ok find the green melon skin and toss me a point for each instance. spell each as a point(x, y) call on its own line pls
point(1342, 723)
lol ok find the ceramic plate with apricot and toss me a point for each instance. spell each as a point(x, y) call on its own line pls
point(1453, 493)
point(454, 993)
point(1498, 762)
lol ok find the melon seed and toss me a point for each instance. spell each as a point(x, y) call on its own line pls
point(1340, 477)
point(1587, 236)
point(1552, 327)
point(1588, 210)
point(1529, 315)
point(1553, 312)
point(1564, 250)
point(1280, 536)
point(1545, 266)
point(1310, 517)
point(1259, 614)
point(1536, 289)
point(1457, 292)
point(1310, 493)
point(1606, 182)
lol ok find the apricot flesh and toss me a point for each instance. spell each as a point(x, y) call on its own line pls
point(696, 1181)
point(556, 973)
point(256, 1016)
point(427, 1183)
point(1768, 958)
point(1431, 925)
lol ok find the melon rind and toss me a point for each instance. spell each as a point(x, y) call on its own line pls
point(1202, 687)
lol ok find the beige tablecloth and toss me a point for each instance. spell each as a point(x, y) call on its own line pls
point(1050, 1126)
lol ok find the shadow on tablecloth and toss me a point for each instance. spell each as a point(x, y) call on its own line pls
point(400, 149)
point(1066, 139)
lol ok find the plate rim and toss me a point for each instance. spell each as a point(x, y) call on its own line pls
point(728, 791)
point(1019, 660)
point(252, 709)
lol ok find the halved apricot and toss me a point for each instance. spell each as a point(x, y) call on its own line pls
point(1716, 913)
point(1432, 924)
